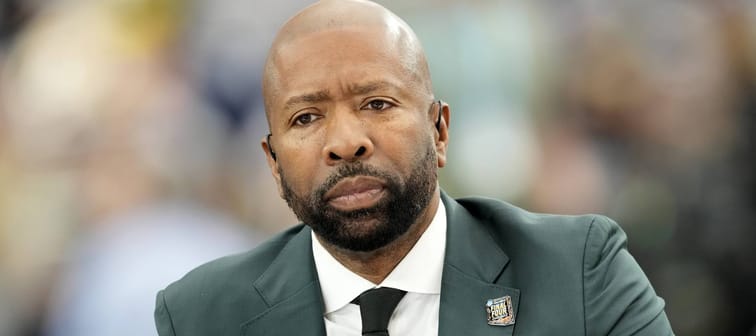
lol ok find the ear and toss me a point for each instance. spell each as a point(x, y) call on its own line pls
point(442, 133)
point(272, 163)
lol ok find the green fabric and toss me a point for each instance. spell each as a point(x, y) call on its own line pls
point(565, 275)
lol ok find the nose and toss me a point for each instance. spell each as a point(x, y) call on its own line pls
point(346, 140)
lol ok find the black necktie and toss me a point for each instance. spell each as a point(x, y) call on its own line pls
point(376, 307)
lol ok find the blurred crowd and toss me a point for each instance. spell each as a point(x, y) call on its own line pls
point(130, 129)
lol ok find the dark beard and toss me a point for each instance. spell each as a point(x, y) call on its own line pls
point(371, 228)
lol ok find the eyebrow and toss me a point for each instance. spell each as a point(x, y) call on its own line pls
point(363, 89)
point(314, 97)
point(324, 95)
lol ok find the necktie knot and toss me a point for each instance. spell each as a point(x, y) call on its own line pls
point(376, 307)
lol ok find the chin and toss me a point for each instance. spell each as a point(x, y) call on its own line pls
point(363, 235)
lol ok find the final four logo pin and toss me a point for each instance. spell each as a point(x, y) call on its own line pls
point(500, 312)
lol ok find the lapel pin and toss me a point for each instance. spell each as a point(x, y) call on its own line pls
point(500, 312)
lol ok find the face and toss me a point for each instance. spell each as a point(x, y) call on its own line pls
point(354, 134)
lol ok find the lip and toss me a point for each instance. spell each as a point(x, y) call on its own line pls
point(355, 193)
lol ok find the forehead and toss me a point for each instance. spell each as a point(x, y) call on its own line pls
point(330, 47)
point(331, 58)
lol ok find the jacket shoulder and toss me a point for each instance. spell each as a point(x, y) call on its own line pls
point(220, 290)
point(577, 261)
point(542, 243)
point(504, 220)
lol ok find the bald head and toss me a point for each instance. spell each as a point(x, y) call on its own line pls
point(334, 14)
point(366, 22)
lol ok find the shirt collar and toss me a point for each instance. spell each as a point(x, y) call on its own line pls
point(419, 271)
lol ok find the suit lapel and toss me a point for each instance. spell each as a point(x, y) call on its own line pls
point(291, 290)
point(472, 265)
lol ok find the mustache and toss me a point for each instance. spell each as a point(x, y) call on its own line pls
point(351, 170)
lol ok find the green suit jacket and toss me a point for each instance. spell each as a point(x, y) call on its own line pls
point(564, 275)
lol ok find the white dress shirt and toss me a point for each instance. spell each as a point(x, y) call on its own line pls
point(419, 274)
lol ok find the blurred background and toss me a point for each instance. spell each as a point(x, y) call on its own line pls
point(129, 141)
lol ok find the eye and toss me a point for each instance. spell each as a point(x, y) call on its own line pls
point(378, 105)
point(305, 119)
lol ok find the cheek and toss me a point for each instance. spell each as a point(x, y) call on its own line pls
point(405, 141)
point(298, 169)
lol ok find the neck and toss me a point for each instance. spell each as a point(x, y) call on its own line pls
point(376, 265)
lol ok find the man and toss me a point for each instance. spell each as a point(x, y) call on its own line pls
point(356, 140)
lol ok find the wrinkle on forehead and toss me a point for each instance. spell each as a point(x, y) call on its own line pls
point(335, 15)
